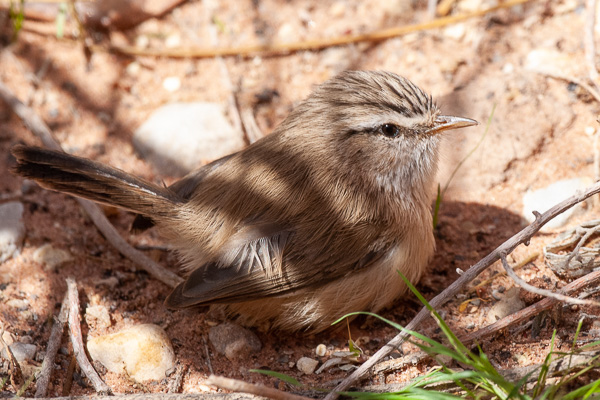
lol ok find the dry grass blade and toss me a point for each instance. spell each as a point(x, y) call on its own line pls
point(317, 44)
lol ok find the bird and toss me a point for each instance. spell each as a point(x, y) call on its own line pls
point(309, 223)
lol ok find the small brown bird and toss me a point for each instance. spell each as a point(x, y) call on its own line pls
point(305, 225)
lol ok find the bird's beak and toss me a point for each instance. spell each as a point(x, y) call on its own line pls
point(446, 122)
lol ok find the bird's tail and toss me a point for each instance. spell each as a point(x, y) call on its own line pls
point(94, 181)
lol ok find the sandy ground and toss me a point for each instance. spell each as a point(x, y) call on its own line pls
point(543, 131)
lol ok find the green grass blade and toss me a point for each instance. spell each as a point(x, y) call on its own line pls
point(278, 375)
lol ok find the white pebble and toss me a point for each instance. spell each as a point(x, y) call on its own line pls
point(590, 130)
point(144, 352)
point(321, 350)
point(542, 199)
point(51, 257)
point(508, 68)
point(171, 84)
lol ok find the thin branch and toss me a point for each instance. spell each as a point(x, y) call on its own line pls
point(543, 292)
point(588, 233)
point(16, 374)
point(595, 94)
point(519, 265)
point(524, 236)
point(77, 341)
point(53, 345)
point(317, 44)
point(39, 129)
point(240, 386)
point(588, 280)
point(208, 362)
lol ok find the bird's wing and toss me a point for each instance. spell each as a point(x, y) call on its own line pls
point(184, 188)
point(259, 262)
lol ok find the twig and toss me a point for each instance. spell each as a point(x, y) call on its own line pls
point(524, 236)
point(175, 385)
point(519, 265)
point(16, 375)
point(39, 128)
point(543, 292)
point(232, 104)
point(317, 44)
point(240, 386)
point(208, 362)
point(157, 396)
point(68, 382)
point(595, 94)
point(588, 233)
point(590, 279)
point(77, 341)
point(52, 349)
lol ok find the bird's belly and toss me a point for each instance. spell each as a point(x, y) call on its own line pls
point(370, 290)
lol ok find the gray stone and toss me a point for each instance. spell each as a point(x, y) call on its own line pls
point(510, 304)
point(12, 230)
point(21, 351)
point(307, 365)
point(233, 341)
point(180, 137)
point(143, 351)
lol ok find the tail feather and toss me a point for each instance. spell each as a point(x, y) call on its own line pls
point(94, 181)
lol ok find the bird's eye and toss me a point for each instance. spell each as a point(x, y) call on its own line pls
point(390, 130)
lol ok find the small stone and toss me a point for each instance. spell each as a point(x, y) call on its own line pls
point(133, 68)
point(51, 257)
point(19, 304)
point(455, 31)
point(179, 137)
point(542, 199)
point(307, 365)
point(508, 68)
point(21, 351)
point(590, 130)
point(8, 338)
point(97, 314)
point(110, 282)
point(172, 84)
point(321, 350)
point(234, 341)
point(12, 230)
point(510, 304)
point(496, 294)
point(143, 351)
point(142, 41)
point(173, 40)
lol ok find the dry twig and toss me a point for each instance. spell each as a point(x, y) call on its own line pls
point(590, 279)
point(317, 44)
point(208, 362)
point(53, 345)
point(240, 386)
point(39, 128)
point(543, 292)
point(77, 341)
point(505, 248)
point(16, 375)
